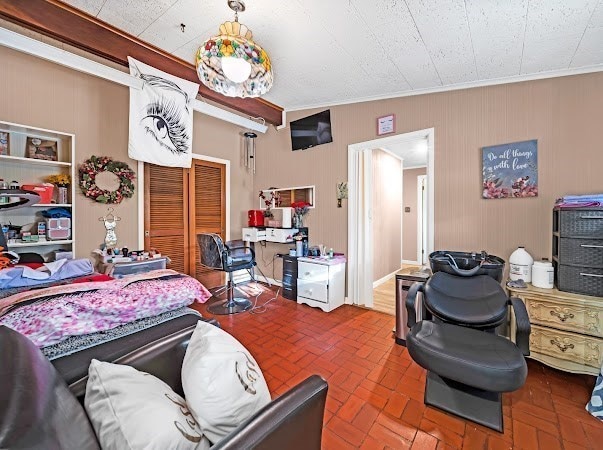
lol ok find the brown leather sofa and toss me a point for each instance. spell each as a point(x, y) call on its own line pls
point(39, 410)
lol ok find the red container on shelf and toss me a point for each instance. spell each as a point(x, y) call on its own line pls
point(44, 190)
point(255, 218)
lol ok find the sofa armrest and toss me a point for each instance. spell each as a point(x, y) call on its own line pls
point(292, 421)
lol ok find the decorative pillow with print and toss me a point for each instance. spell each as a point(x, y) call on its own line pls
point(222, 382)
point(133, 410)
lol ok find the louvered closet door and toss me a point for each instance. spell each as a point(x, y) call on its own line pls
point(207, 192)
point(167, 214)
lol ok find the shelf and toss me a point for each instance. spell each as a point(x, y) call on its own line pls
point(51, 205)
point(38, 244)
point(42, 162)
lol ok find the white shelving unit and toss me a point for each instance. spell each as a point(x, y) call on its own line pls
point(18, 166)
point(289, 195)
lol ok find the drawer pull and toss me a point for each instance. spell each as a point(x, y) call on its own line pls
point(591, 217)
point(307, 273)
point(562, 347)
point(591, 275)
point(561, 316)
point(309, 291)
point(591, 246)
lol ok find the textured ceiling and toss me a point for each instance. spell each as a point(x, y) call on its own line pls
point(339, 51)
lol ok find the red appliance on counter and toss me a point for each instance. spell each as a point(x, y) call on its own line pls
point(255, 218)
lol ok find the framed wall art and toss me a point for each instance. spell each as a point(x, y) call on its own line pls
point(510, 170)
point(38, 148)
point(386, 124)
point(4, 143)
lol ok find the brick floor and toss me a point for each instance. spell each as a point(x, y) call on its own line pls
point(375, 398)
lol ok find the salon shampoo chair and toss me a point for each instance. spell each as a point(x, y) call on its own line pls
point(468, 364)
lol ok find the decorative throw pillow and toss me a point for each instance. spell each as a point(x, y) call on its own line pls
point(222, 382)
point(134, 410)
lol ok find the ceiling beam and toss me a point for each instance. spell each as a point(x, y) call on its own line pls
point(72, 26)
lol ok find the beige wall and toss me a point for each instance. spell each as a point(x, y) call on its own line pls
point(45, 95)
point(564, 114)
point(409, 219)
point(387, 210)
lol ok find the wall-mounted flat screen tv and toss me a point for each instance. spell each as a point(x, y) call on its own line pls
point(311, 131)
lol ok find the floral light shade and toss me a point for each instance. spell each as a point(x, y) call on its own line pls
point(232, 64)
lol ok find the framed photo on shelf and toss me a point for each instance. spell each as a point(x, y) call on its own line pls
point(386, 124)
point(4, 143)
point(38, 148)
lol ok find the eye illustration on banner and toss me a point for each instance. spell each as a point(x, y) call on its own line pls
point(161, 119)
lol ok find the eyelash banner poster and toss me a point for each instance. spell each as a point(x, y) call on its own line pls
point(161, 117)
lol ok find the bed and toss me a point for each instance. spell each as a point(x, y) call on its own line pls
point(72, 322)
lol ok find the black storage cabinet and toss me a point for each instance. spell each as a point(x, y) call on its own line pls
point(578, 250)
point(290, 277)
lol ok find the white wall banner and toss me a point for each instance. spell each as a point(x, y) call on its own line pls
point(161, 117)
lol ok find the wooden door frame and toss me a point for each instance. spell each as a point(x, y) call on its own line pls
point(141, 197)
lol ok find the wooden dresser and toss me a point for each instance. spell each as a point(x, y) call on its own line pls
point(567, 329)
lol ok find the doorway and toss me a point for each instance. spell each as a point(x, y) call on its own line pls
point(180, 203)
point(361, 251)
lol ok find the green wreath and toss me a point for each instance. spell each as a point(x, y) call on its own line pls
point(97, 164)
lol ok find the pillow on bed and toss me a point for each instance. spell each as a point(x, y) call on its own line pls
point(222, 382)
point(131, 410)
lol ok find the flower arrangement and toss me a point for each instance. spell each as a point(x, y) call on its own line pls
point(300, 209)
point(60, 180)
point(97, 164)
point(268, 201)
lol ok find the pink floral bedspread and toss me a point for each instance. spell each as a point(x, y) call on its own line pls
point(101, 306)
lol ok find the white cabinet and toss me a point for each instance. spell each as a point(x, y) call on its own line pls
point(321, 282)
point(28, 156)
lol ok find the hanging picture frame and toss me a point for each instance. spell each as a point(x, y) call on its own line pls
point(510, 170)
point(4, 143)
point(386, 124)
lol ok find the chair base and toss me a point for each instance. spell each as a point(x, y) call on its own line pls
point(234, 306)
point(482, 407)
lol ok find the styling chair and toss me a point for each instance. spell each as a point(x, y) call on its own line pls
point(468, 364)
point(228, 257)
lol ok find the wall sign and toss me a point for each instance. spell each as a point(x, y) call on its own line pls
point(510, 170)
point(386, 124)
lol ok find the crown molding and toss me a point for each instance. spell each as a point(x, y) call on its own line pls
point(81, 30)
point(459, 86)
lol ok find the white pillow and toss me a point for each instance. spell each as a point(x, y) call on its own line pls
point(222, 382)
point(134, 410)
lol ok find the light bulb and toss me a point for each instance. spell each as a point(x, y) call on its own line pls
point(236, 69)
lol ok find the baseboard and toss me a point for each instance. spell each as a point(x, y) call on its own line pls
point(380, 281)
point(414, 263)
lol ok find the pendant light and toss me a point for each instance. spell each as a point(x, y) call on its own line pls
point(231, 63)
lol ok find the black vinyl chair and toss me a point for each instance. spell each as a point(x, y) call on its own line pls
point(228, 257)
point(468, 364)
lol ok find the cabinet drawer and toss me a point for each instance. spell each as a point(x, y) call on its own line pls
point(313, 291)
point(572, 347)
point(581, 252)
point(577, 318)
point(581, 223)
point(313, 272)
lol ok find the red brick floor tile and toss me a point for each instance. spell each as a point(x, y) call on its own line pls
point(548, 441)
point(441, 433)
point(474, 439)
point(396, 404)
point(572, 431)
point(346, 431)
point(375, 397)
point(424, 441)
point(386, 436)
point(524, 436)
point(366, 417)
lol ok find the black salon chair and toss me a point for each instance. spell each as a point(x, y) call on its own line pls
point(228, 257)
point(468, 364)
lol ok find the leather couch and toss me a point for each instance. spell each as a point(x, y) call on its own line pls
point(39, 410)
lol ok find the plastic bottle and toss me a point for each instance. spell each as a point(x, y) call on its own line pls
point(14, 185)
point(520, 265)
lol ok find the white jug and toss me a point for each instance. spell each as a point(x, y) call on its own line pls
point(520, 265)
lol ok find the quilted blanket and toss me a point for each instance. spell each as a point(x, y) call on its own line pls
point(50, 315)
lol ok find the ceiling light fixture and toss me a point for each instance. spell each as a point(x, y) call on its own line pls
point(231, 63)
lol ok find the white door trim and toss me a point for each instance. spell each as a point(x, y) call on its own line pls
point(140, 186)
point(420, 253)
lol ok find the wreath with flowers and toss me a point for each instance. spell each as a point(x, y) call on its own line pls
point(98, 164)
